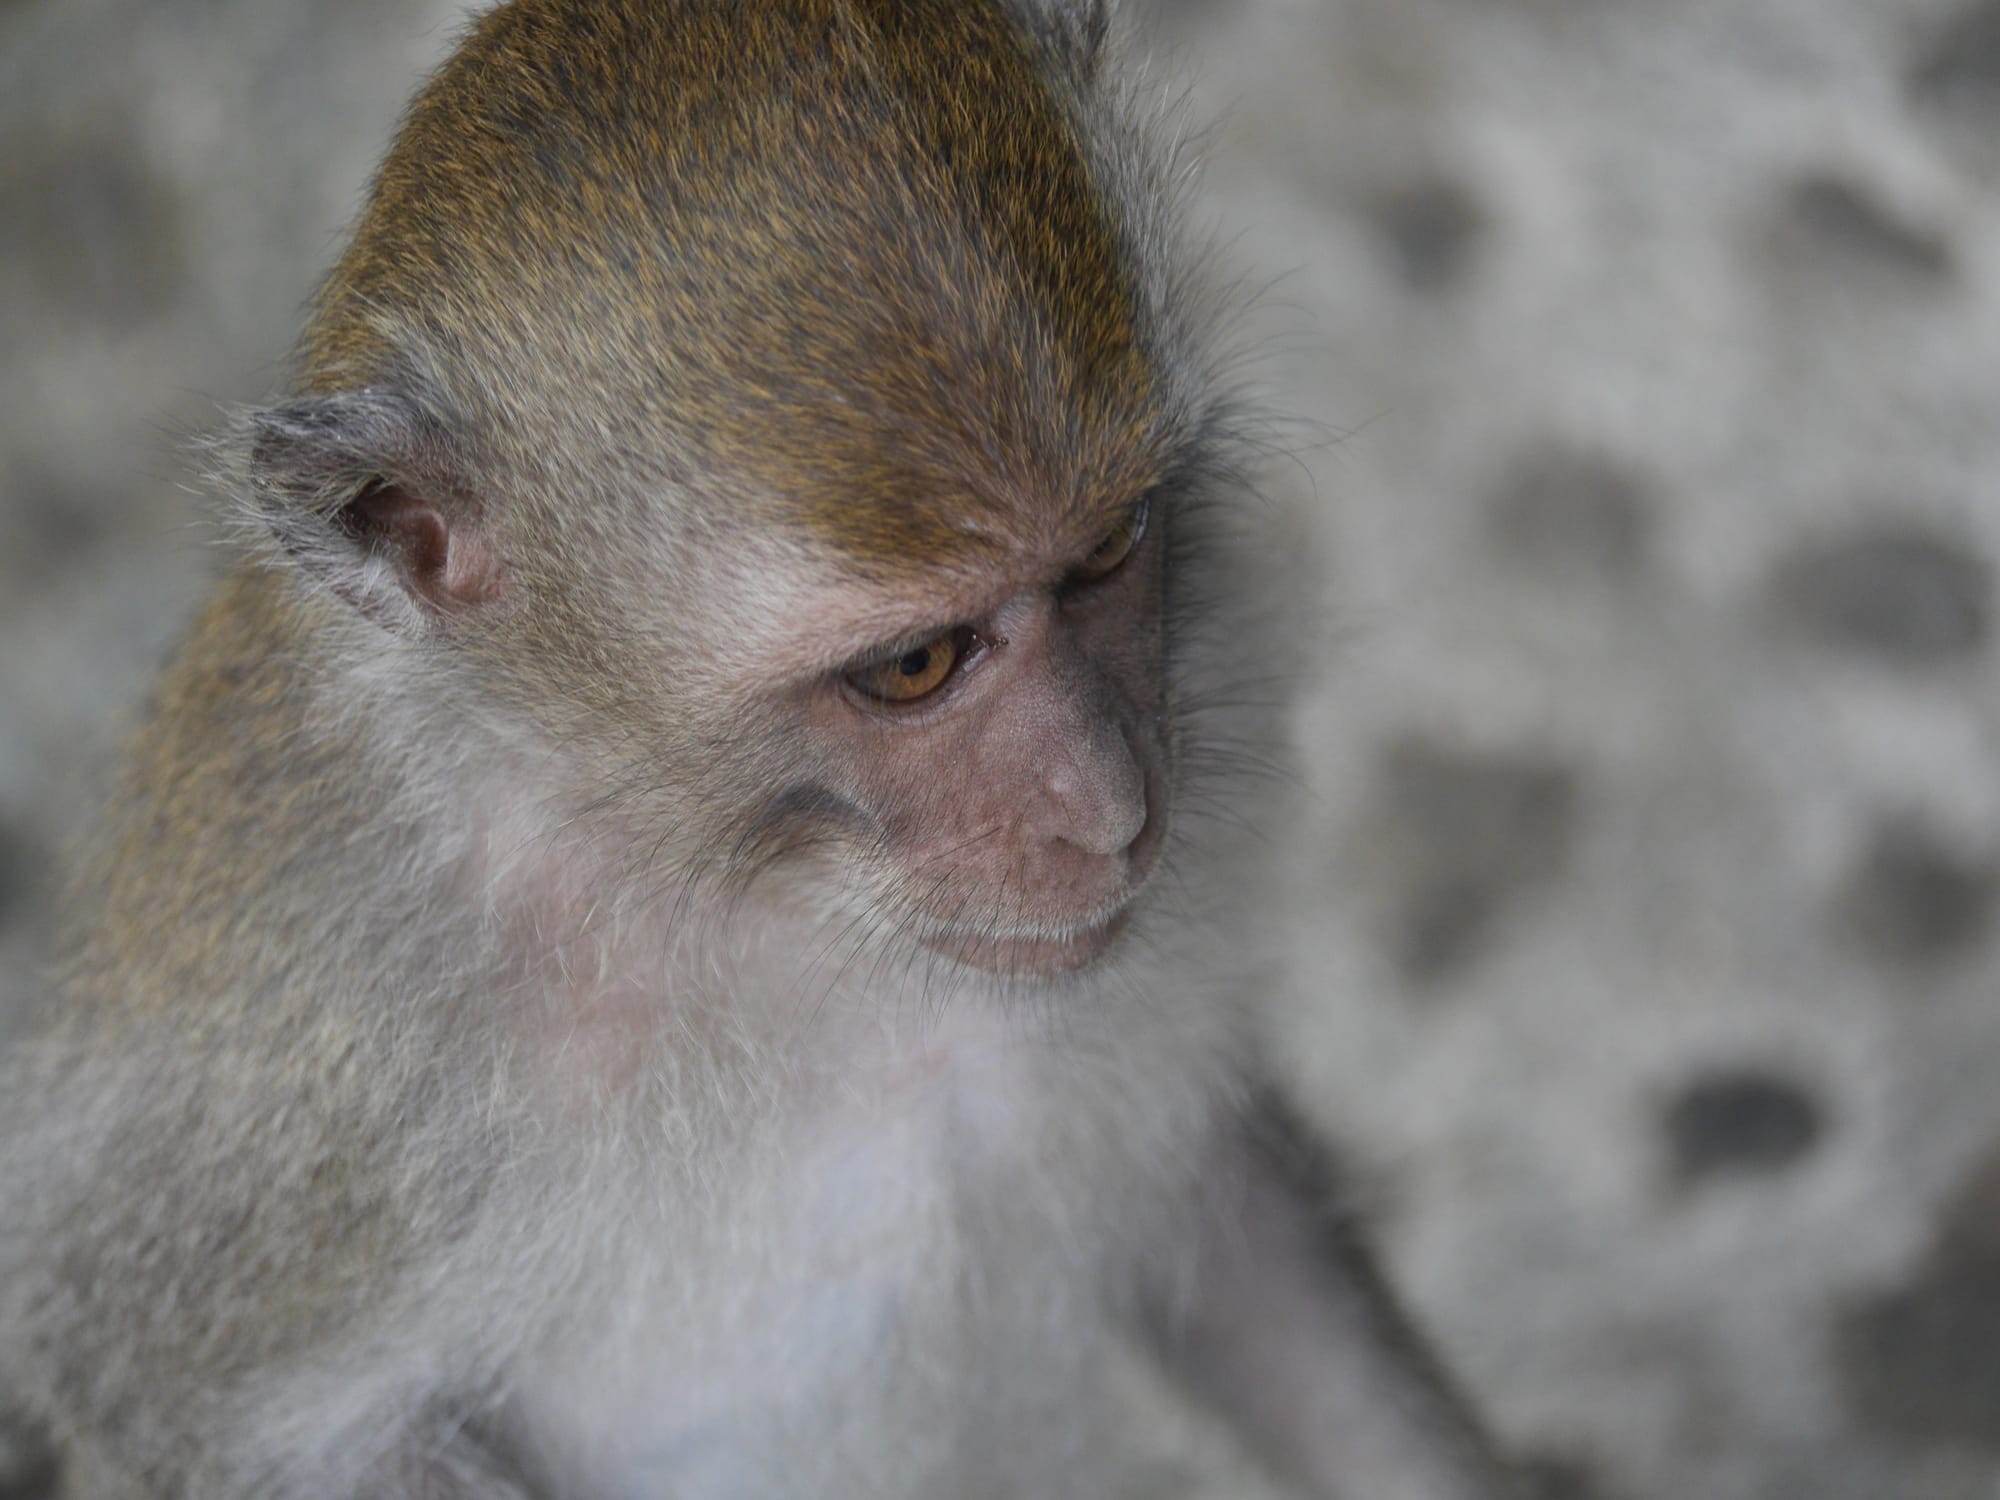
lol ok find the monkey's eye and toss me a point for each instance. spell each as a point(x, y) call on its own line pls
point(916, 673)
point(1118, 544)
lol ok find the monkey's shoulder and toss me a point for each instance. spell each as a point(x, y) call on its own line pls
point(231, 844)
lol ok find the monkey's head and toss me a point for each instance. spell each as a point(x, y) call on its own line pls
point(779, 415)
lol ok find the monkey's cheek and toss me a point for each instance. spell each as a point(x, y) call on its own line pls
point(1028, 958)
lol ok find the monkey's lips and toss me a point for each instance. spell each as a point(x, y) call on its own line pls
point(1027, 956)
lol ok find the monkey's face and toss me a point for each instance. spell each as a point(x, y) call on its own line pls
point(983, 754)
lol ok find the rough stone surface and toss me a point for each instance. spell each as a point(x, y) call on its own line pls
point(1661, 344)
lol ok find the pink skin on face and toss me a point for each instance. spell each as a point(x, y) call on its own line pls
point(1026, 800)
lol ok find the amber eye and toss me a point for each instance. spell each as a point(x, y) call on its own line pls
point(916, 673)
point(1118, 543)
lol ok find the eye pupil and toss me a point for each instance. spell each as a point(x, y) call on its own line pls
point(917, 673)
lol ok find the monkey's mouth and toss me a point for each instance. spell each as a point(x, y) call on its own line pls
point(1029, 956)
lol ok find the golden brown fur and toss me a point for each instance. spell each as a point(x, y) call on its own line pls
point(776, 232)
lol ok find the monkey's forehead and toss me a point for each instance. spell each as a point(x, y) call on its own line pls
point(849, 253)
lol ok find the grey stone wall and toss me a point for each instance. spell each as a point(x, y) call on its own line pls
point(1643, 369)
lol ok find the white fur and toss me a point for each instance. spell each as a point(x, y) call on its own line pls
point(901, 1238)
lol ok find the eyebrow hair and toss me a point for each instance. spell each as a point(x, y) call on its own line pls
point(911, 602)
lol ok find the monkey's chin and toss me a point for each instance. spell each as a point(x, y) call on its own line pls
point(1027, 958)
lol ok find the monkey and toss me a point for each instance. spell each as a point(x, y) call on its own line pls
point(675, 927)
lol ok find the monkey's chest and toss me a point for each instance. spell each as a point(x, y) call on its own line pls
point(883, 1314)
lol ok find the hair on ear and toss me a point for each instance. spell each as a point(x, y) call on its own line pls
point(366, 492)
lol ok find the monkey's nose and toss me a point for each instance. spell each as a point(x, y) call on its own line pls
point(1100, 803)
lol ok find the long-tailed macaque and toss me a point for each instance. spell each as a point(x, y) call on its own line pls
point(674, 929)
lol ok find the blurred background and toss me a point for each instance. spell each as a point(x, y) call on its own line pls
point(1646, 358)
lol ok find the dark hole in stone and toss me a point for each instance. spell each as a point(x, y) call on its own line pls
point(1465, 835)
point(41, 1481)
point(1743, 1120)
point(62, 526)
point(1913, 899)
point(22, 869)
point(88, 220)
point(1434, 228)
point(1923, 1363)
point(1566, 511)
point(1962, 63)
point(29, 1469)
point(1888, 589)
point(1557, 1476)
point(1841, 214)
point(1969, 1232)
point(1445, 924)
point(55, 521)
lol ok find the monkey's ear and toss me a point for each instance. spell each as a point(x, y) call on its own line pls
point(364, 490)
point(1071, 31)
